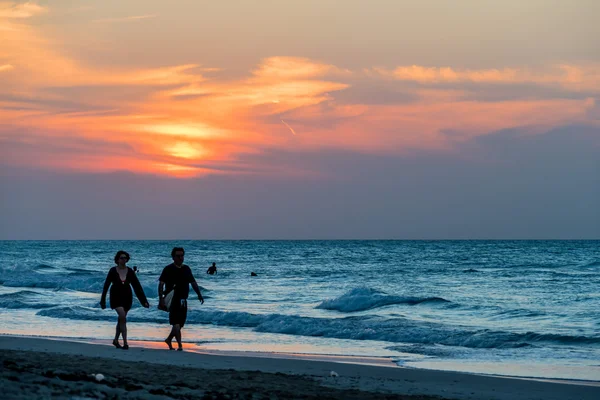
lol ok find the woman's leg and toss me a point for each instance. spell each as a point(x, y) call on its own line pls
point(117, 331)
point(122, 323)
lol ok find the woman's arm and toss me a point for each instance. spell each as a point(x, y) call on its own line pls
point(107, 283)
point(137, 287)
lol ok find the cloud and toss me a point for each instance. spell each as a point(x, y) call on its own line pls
point(295, 67)
point(198, 131)
point(574, 77)
point(6, 67)
point(20, 10)
point(125, 19)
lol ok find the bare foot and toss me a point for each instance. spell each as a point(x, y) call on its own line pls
point(116, 344)
point(168, 342)
point(180, 348)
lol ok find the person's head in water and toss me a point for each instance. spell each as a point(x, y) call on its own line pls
point(214, 265)
point(177, 254)
point(121, 258)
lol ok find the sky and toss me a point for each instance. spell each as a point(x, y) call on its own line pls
point(313, 119)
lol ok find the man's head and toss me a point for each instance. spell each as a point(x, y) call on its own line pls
point(214, 264)
point(177, 254)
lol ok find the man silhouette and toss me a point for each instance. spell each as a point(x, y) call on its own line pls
point(177, 277)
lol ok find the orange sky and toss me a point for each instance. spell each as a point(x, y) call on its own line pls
point(79, 90)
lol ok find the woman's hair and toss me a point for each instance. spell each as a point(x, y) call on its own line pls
point(175, 250)
point(118, 255)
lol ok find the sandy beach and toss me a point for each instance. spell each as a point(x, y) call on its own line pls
point(48, 368)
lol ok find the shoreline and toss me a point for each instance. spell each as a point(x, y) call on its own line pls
point(378, 361)
point(273, 369)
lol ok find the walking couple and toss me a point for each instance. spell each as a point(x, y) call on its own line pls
point(176, 277)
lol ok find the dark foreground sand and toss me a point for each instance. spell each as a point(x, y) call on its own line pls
point(39, 368)
point(28, 375)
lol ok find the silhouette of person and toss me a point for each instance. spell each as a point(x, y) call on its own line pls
point(212, 269)
point(177, 277)
point(120, 279)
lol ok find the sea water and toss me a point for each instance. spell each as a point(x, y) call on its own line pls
point(520, 308)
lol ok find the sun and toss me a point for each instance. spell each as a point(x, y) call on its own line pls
point(186, 150)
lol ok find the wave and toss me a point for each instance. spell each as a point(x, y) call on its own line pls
point(517, 313)
point(428, 350)
point(42, 267)
point(593, 264)
point(88, 281)
point(395, 330)
point(79, 313)
point(82, 283)
point(73, 270)
point(360, 299)
point(24, 299)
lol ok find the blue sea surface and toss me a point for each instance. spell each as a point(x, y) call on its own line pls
point(523, 308)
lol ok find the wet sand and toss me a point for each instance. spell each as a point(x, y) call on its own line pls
point(44, 368)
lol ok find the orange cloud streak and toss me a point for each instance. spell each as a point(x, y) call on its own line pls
point(576, 77)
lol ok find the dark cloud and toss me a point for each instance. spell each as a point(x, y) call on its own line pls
point(25, 143)
point(55, 105)
point(84, 96)
point(376, 92)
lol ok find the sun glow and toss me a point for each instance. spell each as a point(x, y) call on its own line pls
point(197, 131)
point(185, 150)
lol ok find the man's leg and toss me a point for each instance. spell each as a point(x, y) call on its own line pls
point(177, 329)
point(173, 320)
point(169, 338)
point(175, 333)
point(177, 318)
point(182, 317)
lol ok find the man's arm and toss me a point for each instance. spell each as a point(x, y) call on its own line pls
point(161, 286)
point(197, 290)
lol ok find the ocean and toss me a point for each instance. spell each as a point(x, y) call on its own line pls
point(515, 308)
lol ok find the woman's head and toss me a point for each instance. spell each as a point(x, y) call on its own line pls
point(122, 256)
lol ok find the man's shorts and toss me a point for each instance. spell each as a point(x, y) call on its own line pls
point(178, 312)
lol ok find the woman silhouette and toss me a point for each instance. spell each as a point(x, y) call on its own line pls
point(122, 278)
